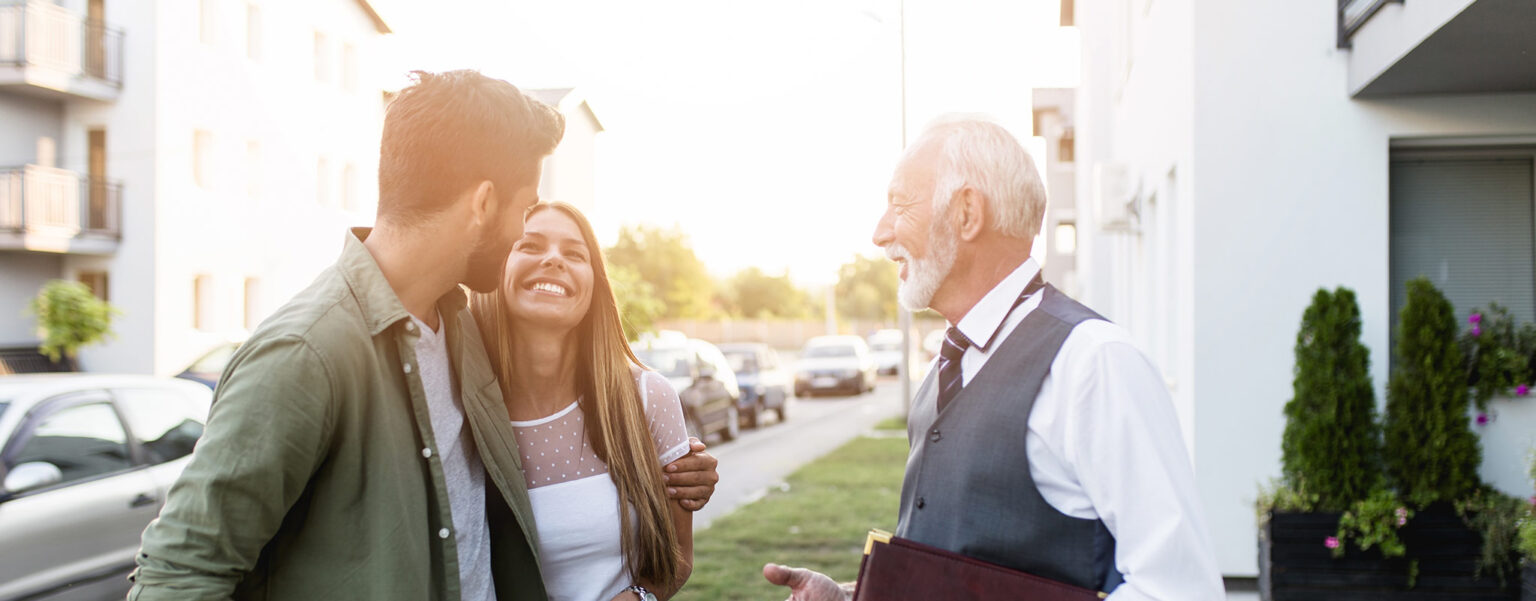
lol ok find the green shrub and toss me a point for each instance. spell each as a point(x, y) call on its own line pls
point(1431, 452)
point(1499, 356)
point(70, 317)
point(1332, 440)
point(1373, 522)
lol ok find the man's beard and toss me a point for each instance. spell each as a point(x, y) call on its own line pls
point(485, 264)
point(925, 275)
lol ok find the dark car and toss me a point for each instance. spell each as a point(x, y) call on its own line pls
point(207, 368)
point(835, 363)
point(704, 381)
point(765, 383)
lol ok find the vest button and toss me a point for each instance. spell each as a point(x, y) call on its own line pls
point(934, 436)
point(921, 502)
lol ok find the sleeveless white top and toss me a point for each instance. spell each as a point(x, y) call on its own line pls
point(575, 503)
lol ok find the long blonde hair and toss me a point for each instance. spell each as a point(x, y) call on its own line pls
point(609, 397)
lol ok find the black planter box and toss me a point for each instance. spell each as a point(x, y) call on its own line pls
point(1294, 565)
point(1528, 590)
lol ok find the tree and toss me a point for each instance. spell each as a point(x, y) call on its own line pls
point(664, 259)
point(638, 306)
point(1332, 444)
point(753, 294)
point(866, 289)
point(70, 317)
point(1432, 454)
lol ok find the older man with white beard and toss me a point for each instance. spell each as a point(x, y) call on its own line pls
point(1042, 440)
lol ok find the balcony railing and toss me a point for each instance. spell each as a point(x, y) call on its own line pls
point(59, 203)
point(47, 36)
point(1354, 13)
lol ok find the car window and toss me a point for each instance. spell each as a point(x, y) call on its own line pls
point(673, 363)
point(82, 441)
point(165, 422)
point(742, 361)
point(830, 350)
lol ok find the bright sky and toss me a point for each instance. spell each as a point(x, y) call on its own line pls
point(767, 130)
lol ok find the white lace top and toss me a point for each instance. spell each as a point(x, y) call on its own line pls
point(575, 504)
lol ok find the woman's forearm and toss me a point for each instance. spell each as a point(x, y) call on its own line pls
point(682, 524)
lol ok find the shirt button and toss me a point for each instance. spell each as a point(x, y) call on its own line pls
point(442, 533)
point(410, 326)
point(921, 502)
point(407, 368)
point(934, 436)
point(427, 452)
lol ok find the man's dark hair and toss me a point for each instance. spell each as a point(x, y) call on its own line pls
point(450, 131)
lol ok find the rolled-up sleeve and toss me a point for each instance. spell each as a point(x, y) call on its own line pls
point(270, 423)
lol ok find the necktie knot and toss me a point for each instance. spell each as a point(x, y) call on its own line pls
point(955, 344)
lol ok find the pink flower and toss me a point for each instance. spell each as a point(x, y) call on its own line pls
point(1482, 419)
point(1331, 542)
point(1477, 330)
point(1522, 390)
point(1474, 318)
point(1402, 516)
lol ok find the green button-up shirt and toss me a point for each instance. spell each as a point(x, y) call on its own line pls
point(318, 477)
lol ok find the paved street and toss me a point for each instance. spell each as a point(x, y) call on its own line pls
point(761, 458)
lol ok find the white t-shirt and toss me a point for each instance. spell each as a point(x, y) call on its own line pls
point(575, 503)
point(463, 473)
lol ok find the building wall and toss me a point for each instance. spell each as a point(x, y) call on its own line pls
point(1279, 182)
point(24, 120)
point(570, 173)
point(23, 273)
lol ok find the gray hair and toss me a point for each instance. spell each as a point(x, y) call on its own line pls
point(979, 153)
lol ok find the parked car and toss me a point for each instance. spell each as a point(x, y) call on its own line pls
point(765, 383)
point(837, 363)
point(207, 368)
point(885, 347)
point(704, 381)
point(85, 463)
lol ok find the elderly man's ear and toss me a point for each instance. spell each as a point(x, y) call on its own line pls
point(970, 210)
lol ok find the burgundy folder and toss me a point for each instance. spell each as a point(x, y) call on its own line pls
point(897, 569)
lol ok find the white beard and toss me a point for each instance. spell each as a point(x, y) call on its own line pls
point(925, 275)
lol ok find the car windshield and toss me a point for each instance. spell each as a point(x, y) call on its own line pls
point(742, 361)
point(672, 363)
point(830, 350)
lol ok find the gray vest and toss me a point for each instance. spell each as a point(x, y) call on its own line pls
point(968, 488)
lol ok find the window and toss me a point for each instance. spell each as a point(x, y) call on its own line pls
point(349, 68)
point(83, 441)
point(202, 158)
point(166, 423)
point(252, 31)
point(253, 169)
point(322, 64)
point(252, 297)
point(1066, 146)
point(323, 182)
point(1465, 221)
point(207, 21)
point(202, 302)
point(96, 281)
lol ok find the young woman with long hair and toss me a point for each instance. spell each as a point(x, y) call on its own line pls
point(594, 427)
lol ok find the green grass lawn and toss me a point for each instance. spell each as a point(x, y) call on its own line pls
point(820, 523)
point(893, 423)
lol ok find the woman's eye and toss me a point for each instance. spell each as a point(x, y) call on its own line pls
point(575, 256)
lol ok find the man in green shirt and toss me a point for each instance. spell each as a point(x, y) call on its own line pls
point(343, 457)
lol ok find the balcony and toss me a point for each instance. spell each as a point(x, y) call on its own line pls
point(48, 50)
point(1408, 47)
point(56, 210)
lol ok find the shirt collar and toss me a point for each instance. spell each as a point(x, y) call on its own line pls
point(380, 306)
point(982, 322)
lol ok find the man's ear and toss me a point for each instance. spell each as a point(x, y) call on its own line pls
point(970, 212)
point(482, 202)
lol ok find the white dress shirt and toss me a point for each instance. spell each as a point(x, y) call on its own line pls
point(1104, 443)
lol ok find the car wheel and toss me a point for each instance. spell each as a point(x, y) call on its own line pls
point(732, 424)
point(753, 416)
point(783, 406)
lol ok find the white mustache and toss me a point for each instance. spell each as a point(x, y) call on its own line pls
point(896, 252)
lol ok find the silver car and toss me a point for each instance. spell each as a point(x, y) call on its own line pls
point(85, 462)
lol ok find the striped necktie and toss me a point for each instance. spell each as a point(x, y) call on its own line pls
point(951, 376)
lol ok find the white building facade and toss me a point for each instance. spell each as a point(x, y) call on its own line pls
point(1236, 156)
point(197, 164)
